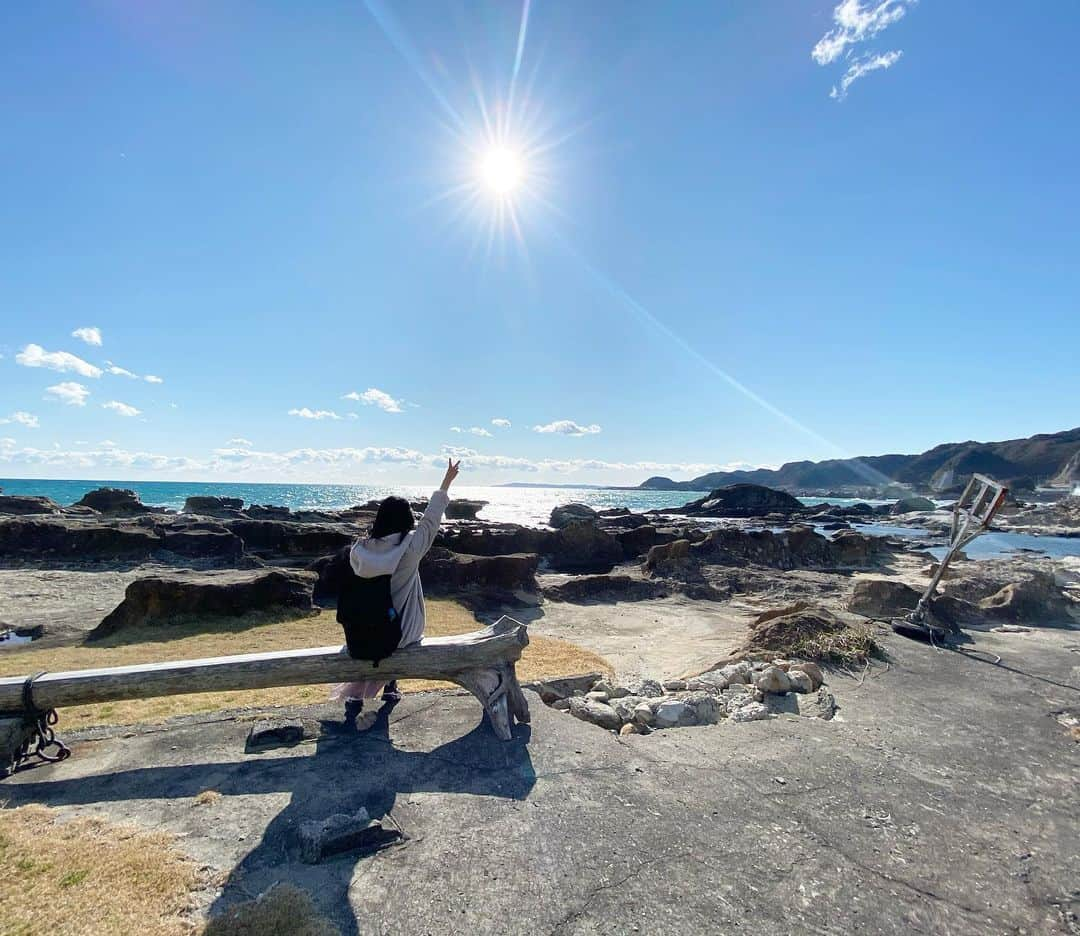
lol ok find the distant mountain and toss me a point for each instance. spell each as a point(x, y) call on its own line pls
point(1052, 458)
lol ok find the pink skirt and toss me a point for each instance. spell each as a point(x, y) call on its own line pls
point(365, 689)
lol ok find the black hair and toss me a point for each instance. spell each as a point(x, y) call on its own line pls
point(394, 516)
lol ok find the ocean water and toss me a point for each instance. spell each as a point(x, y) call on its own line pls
point(988, 546)
point(993, 545)
point(527, 506)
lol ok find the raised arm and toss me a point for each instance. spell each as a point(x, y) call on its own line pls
point(424, 534)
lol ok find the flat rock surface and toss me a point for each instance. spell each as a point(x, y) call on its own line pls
point(68, 602)
point(941, 799)
point(657, 637)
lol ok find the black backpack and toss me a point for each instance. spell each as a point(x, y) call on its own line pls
point(366, 612)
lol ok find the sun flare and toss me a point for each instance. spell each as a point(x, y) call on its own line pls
point(501, 171)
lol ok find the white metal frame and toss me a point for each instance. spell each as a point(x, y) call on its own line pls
point(972, 513)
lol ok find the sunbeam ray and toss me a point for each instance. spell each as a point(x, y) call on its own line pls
point(505, 158)
point(394, 31)
point(519, 52)
point(609, 285)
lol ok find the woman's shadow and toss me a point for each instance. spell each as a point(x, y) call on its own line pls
point(349, 770)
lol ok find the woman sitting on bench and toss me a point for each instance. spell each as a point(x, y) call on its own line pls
point(393, 549)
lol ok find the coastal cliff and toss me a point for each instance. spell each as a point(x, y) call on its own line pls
point(1050, 458)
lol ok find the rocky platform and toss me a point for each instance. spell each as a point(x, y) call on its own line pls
point(68, 566)
point(940, 799)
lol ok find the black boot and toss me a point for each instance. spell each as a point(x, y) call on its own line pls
point(390, 692)
point(353, 708)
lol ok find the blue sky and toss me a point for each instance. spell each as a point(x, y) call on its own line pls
point(722, 252)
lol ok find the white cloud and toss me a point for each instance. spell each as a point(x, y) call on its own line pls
point(23, 419)
point(456, 429)
point(374, 397)
point(69, 392)
point(105, 456)
point(305, 413)
point(124, 409)
point(857, 21)
point(89, 334)
point(863, 66)
point(480, 431)
point(117, 371)
point(236, 459)
point(326, 464)
point(568, 427)
point(246, 443)
point(459, 451)
point(501, 423)
point(36, 356)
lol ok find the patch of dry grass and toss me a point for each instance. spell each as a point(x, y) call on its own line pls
point(804, 632)
point(544, 658)
point(69, 877)
point(855, 644)
point(284, 910)
point(87, 876)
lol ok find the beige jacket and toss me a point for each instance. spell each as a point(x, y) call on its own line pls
point(401, 561)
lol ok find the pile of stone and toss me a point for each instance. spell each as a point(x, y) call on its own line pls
point(739, 692)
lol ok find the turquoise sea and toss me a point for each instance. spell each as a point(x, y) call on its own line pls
point(528, 506)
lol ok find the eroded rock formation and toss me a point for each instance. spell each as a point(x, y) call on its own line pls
point(160, 599)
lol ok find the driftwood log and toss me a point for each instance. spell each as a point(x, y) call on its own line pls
point(482, 662)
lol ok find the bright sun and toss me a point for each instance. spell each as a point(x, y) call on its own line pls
point(501, 171)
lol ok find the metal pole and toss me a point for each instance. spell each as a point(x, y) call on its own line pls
point(969, 519)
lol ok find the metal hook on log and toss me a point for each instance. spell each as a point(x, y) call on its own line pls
point(35, 737)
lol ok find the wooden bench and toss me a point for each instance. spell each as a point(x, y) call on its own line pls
point(482, 662)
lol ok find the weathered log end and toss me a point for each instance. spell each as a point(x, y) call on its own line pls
point(506, 631)
point(498, 690)
point(496, 686)
point(507, 625)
